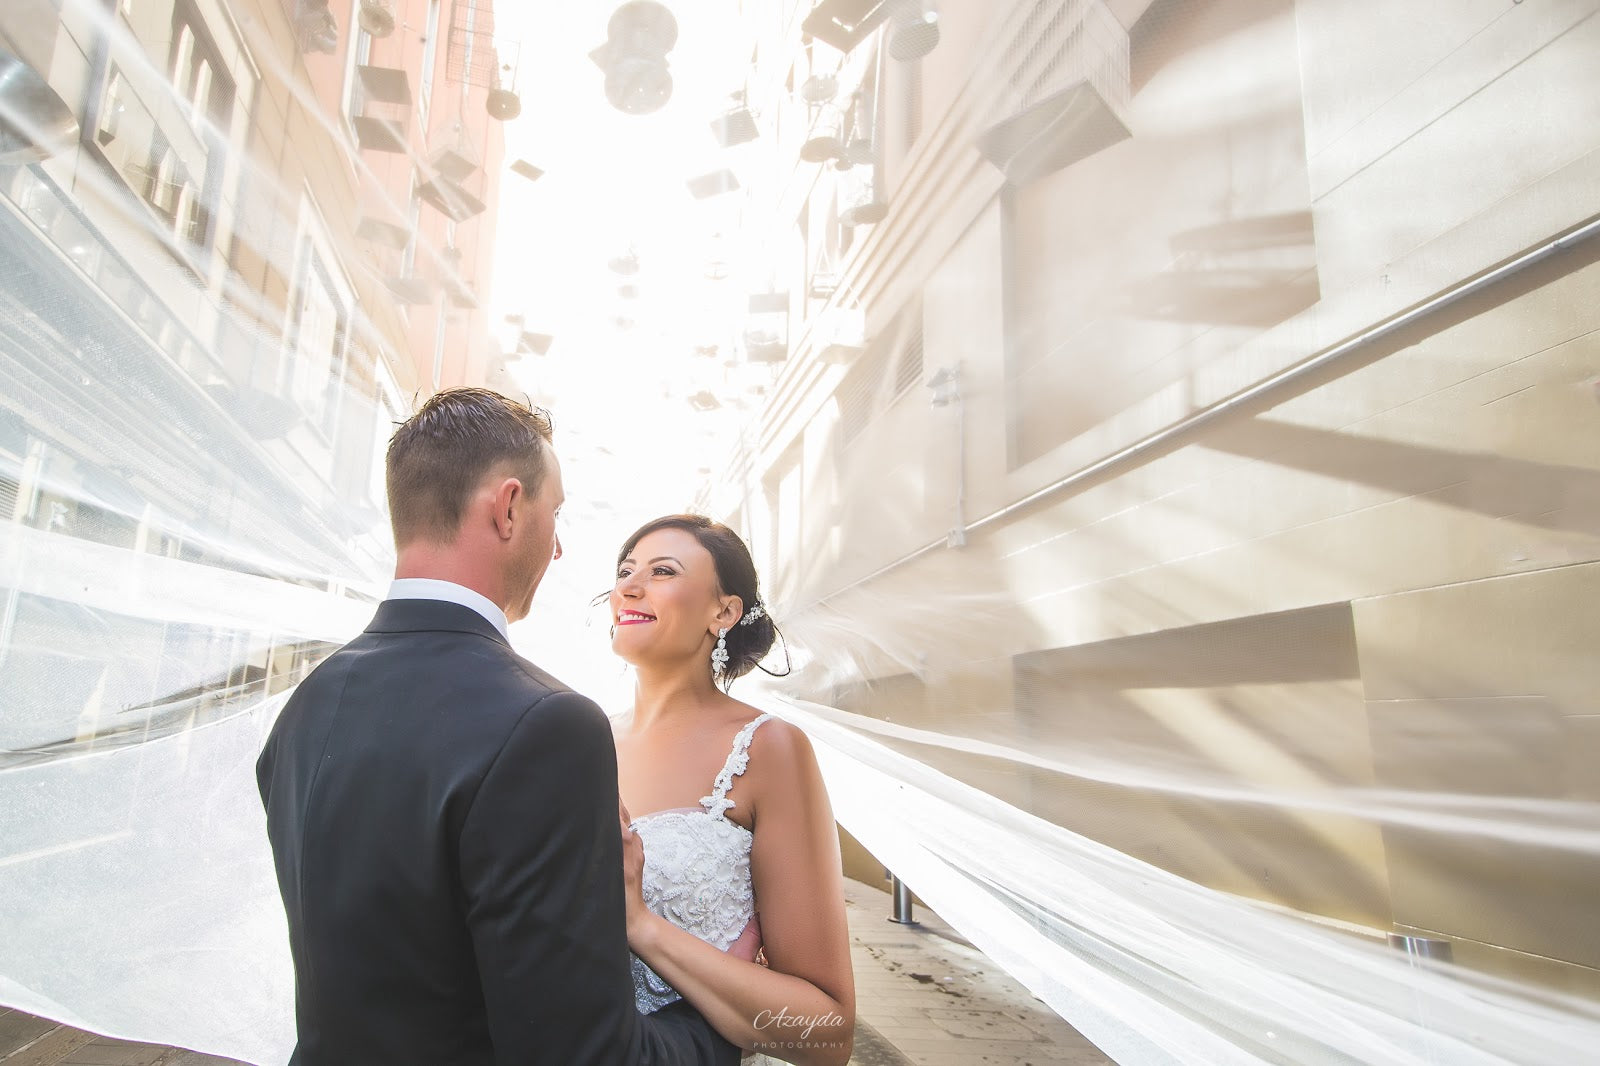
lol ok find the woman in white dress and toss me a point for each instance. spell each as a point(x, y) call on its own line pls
point(737, 902)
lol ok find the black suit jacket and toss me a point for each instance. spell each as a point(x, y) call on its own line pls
point(443, 816)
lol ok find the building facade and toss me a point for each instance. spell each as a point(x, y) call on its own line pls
point(240, 241)
point(1206, 387)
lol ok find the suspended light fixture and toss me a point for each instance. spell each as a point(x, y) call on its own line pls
point(826, 140)
point(737, 125)
point(819, 88)
point(856, 144)
point(634, 57)
point(376, 18)
point(914, 30)
point(861, 200)
point(766, 332)
point(503, 103)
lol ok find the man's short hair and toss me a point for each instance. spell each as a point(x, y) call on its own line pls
point(439, 456)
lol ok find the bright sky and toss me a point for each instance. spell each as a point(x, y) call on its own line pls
point(631, 445)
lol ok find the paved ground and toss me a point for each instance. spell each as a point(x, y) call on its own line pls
point(29, 1041)
point(925, 997)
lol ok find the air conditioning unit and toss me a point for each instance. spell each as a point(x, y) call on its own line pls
point(1070, 91)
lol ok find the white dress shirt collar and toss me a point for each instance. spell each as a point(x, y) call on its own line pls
point(428, 588)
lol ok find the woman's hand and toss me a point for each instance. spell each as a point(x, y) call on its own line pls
point(638, 914)
point(795, 871)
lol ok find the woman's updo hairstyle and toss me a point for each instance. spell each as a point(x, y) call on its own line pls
point(748, 642)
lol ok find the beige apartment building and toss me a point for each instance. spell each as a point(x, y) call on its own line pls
point(1213, 388)
point(237, 239)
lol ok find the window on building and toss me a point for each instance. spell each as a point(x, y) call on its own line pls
point(440, 327)
point(319, 341)
point(198, 74)
point(182, 55)
point(389, 414)
point(166, 179)
point(186, 165)
point(112, 106)
point(430, 59)
point(359, 55)
point(408, 259)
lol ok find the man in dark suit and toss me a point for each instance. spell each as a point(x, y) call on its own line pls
point(443, 813)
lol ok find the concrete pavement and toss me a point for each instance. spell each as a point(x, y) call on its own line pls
point(924, 997)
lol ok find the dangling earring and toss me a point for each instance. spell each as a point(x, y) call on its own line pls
point(719, 654)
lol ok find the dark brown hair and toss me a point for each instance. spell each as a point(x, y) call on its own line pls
point(439, 455)
point(736, 576)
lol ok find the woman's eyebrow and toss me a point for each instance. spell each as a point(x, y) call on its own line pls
point(664, 558)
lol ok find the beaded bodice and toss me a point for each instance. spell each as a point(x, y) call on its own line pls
point(697, 871)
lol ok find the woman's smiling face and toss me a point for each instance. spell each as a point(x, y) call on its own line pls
point(666, 599)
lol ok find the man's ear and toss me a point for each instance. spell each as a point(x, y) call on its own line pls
point(507, 505)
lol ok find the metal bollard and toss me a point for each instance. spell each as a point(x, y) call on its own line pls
point(902, 902)
point(1425, 948)
point(1425, 952)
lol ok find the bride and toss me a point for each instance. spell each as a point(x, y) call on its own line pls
point(735, 893)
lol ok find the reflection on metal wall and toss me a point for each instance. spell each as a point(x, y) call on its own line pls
point(1243, 522)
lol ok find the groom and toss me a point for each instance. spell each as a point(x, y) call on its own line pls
point(443, 813)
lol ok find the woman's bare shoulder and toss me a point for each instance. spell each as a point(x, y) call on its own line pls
point(776, 740)
point(782, 763)
point(780, 741)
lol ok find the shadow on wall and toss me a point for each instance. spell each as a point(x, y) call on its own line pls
point(1548, 495)
point(1189, 238)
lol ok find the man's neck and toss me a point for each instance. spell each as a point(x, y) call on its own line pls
point(449, 563)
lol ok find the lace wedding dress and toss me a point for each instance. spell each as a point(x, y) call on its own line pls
point(697, 876)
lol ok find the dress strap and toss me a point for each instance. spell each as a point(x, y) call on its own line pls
point(717, 804)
